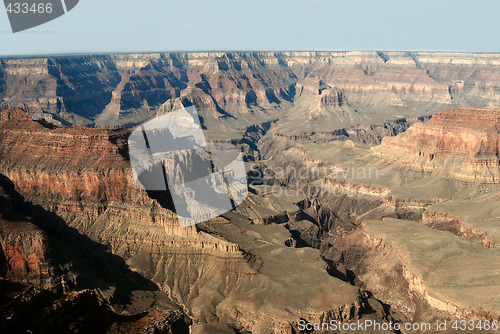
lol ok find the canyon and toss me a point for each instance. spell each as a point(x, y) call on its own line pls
point(203, 269)
point(374, 188)
point(421, 230)
point(307, 93)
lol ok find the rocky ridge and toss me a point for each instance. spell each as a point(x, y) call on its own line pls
point(47, 283)
point(465, 141)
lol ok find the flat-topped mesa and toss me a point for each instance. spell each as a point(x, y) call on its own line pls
point(469, 137)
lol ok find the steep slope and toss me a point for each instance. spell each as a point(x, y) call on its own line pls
point(47, 283)
point(23, 246)
point(422, 271)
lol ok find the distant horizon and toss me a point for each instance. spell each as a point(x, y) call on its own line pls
point(83, 54)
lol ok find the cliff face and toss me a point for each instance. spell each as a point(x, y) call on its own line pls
point(455, 132)
point(24, 251)
point(23, 246)
point(288, 108)
point(49, 86)
point(64, 168)
point(466, 141)
point(236, 90)
point(45, 275)
point(430, 275)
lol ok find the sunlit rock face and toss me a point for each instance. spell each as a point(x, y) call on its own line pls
point(422, 233)
point(284, 109)
point(462, 143)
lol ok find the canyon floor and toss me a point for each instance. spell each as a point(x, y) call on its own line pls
point(373, 193)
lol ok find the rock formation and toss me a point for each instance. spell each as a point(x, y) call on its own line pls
point(24, 247)
point(425, 273)
point(404, 230)
point(43, 280)
point(463, 143)
point(414, 220)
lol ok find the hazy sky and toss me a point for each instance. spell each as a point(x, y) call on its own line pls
point(189, 25)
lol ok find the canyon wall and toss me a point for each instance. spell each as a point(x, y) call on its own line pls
point(324, 91)
point(413, 220)
point(50, 282)
point(253, 268)
point(462, 144)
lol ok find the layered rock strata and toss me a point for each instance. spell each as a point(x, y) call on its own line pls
point(332, 90)
point(462, 144)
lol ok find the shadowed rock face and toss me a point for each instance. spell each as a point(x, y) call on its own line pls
point(47, 283)
point(24, 247)
point(220, 272)
point(254, 269)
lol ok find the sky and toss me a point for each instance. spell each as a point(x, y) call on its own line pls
point(112, 26)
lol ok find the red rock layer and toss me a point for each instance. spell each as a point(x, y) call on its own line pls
point(469, 132)
point(75, 170)
point(25, 250)
point(462, 144)
point(23, 246)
